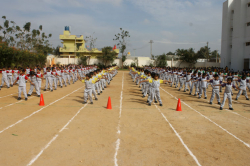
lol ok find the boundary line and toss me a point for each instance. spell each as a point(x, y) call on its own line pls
point(177, 134)
point(38, 111)
point(246, 144)
point(118, 128)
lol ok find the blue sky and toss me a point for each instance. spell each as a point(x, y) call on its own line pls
point(171, 24)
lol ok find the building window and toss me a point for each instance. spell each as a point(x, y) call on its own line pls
point(247, 43)
point(248, 24)
point(71, 53)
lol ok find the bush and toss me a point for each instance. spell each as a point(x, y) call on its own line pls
point(133, 65)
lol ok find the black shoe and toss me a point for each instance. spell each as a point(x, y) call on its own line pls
point(143, 96)
point(61, 86)
point(98, 93)
point(96, 98)
point(26, 99)
point(247, 99)
point(184, 91)
point(28, 95)
point(65, 85)
point(156, 102)
point(11, 85)
point(149, 104)
point(179, 90)
point(147, 101)
point(231, 108)
point(187, 89)
point(199, 97)
point(236, 99)
point(219, 103)
point(38, 96)
point(221, 108)
point(44, 90)
point(55, 89)
point(161, 105)
point(205, 97)
point(91, 103)
point(102, 88)
point(232, 94)
point(19, 98)
point(195, 95)
point(84, 102)
point(190, 94)
point(211, 103)
point(51, 90)
point(101, 91)
point(8, 87)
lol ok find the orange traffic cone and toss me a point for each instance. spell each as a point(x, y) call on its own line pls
point(109, 104)
point(179, 105)
point(41, 101)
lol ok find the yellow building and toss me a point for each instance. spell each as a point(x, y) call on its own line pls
point(73, 46)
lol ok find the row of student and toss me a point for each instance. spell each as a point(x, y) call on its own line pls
point(150, 82)
point(100, 77)
point(9, 76)
point(96, 81)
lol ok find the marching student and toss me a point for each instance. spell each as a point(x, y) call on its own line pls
point(9, 76)
point(59, 72)
point(27, 70)
point(88, 88)
point(93, 84)
point(242, 88)
point(33, 79)
point(22, 85)
point(16, 74)
point(194, 84)
point(4, 78)
point(227, 93)
point(71, 75)
point(48, 80)
point(187, 81)
point(39, 78)
point(216, 89)
point(54, 77)
point(203, 85)
point(155, 91)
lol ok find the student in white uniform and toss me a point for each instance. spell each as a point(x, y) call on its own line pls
point(4, 78)
point(242, 87)
point(22, 84)
point(216, 89)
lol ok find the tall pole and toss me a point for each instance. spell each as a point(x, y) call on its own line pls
point(151, 42)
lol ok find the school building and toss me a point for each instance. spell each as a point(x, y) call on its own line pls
point(74, 46)
point(235, 41)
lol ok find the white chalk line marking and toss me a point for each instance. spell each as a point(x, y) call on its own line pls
point(214, 123)
point(37, 111)
point(40, 153)
point(176, 133)
point(54, 138)
point(231, 111)
point(118, 128)
point(18, 102)
point(7, 95)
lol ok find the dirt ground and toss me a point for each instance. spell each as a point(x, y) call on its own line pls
point(66, 132)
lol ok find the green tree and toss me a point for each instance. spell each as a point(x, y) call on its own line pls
point(204, 53)
point(170, 53)
point(122, 43)
point(91, 40)
point(108, 55)
point(187, 55)
point(215, 54)
point(161, 60)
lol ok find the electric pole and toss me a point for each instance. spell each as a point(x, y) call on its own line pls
point(151, 42)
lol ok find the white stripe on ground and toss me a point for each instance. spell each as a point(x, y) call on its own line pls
point(7, 95)
point(231, 111)
point(17, 102)
point(176, 133)
point(38, 110)
point(118, 128)
point(212, 121)
point(54, 138)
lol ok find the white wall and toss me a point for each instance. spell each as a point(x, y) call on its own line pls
point(234, 57)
